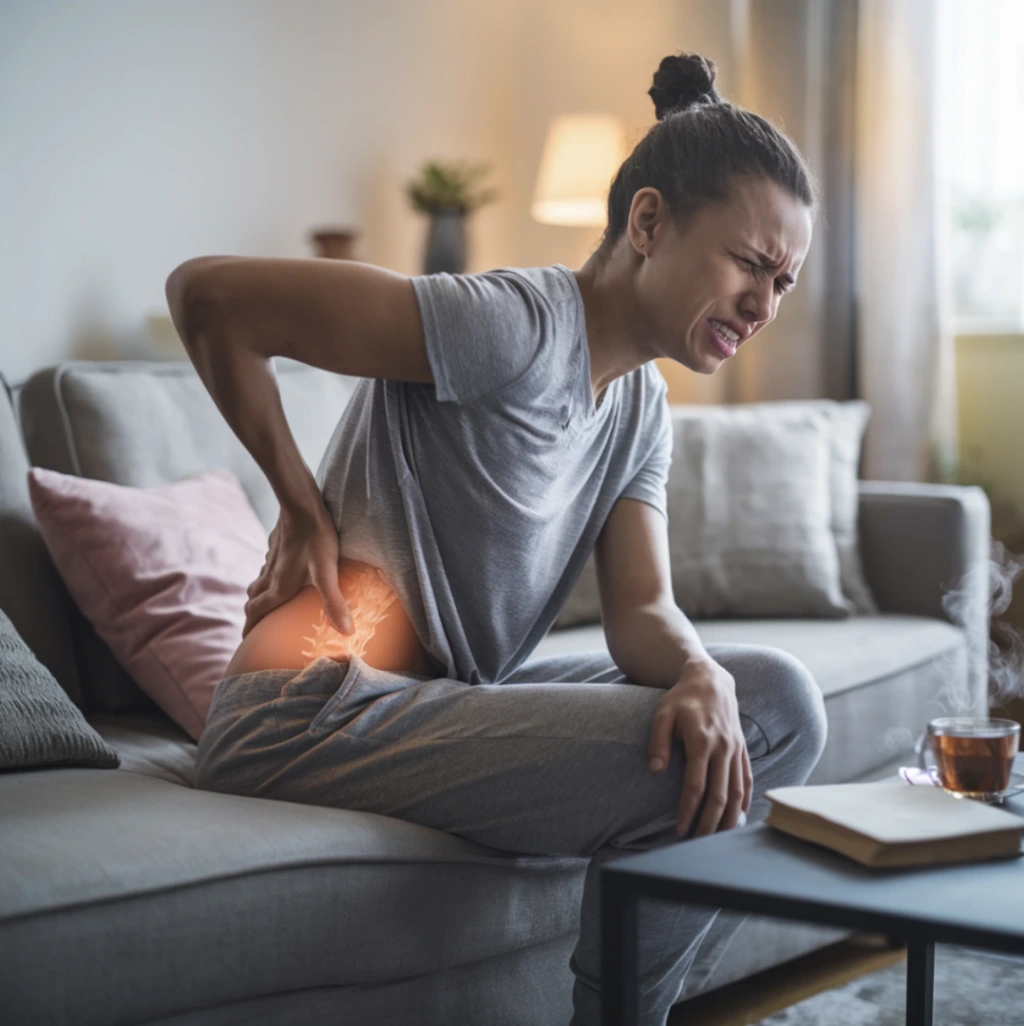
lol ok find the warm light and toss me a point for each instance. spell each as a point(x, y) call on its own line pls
point(582, 154)
point(367, 600)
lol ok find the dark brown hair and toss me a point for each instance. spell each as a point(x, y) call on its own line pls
point(699, 146)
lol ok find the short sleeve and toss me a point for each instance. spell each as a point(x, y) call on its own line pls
point(650, 482)
point(482, 331)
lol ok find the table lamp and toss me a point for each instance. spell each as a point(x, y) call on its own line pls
point(582, 154)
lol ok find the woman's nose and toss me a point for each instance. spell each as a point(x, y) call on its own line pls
point(759, 306)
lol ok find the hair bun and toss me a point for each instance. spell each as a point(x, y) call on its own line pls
point(682, 81)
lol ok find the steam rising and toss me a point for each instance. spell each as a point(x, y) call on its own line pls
point(1001, 661)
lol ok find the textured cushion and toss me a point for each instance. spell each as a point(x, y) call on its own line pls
point(155, 899)
point(31, 591)
point(751, 503)
point(39, 724)
point(700, 477)
point(161, 573)
point(848, 421)
point(144, 423)
point(750, 517)
point(883, 677)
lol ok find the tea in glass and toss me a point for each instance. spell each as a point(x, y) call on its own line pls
point(973, 757)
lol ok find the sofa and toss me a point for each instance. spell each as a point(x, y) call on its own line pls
point(128, 897)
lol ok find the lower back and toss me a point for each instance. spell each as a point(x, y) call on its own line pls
point(296, 633)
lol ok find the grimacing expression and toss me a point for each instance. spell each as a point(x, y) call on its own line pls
point(711, 284)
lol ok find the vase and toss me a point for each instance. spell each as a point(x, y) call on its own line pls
point(446, 243)
point(334, 243)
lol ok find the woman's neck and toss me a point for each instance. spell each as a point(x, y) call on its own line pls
point(611, 323)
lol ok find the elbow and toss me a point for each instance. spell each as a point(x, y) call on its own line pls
point(189, 298)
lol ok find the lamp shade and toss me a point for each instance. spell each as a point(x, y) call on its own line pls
point(582, 154)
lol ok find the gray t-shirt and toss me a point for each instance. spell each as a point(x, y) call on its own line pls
point(480, 496)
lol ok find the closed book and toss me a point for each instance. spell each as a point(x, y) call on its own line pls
point(892, 824)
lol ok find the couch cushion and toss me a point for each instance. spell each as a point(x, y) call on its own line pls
point(750, 514)
point(883, 677)
point(150, 744)
point(229, 897)
point(31, 591)
point(161, 573)
point(144, 423)
point(848, 420)
point(732, 511)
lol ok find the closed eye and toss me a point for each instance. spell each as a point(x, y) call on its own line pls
point(760, 273)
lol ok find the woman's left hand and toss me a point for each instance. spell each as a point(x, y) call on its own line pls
point(701, 711)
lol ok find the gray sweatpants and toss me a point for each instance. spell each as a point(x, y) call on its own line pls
point(551, 762)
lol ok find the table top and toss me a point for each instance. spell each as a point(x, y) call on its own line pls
point(760, 870)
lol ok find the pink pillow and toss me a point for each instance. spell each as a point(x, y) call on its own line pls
point(161, 573)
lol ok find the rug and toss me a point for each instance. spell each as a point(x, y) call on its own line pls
point(972, 988)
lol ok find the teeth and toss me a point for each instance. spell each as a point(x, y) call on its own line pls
point(725, 330)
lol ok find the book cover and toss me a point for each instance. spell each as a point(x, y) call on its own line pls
point(893, 824)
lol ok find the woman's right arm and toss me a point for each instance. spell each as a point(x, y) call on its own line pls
point(233, 314)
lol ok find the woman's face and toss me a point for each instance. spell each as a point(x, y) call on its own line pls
point(705, 288)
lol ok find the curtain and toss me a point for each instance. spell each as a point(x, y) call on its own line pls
point(905, 345)
point(794, 62)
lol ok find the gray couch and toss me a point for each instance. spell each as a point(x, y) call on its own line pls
point(128, 897)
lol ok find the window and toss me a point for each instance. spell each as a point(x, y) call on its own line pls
point(981, 139)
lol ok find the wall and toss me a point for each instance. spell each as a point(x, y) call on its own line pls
point(136, 135)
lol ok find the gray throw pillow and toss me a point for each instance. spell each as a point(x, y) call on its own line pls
point(750, 500)
point(848, 420)
point(745, 509)
point(39, 724)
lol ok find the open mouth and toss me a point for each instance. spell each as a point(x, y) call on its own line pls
point(725, 339)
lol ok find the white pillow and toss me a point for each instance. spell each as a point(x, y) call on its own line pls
point(762, 503)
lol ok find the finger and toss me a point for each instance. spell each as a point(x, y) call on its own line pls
point(717, 792)
point(693, 786)
point(325, 580)
point(258, 584)
point(737, 792)
point(748, 781)
point(251, 619)
point(257, 608)
point(335, 606)
point(659, 749)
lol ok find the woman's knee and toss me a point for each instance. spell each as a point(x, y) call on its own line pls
point(800, 700)
point(781, 694)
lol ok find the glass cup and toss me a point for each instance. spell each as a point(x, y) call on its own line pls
point(973, 757)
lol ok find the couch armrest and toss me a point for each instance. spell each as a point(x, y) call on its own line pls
point(920, 541)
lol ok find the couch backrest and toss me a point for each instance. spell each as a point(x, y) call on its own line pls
point(31, 591)
point(144, 423)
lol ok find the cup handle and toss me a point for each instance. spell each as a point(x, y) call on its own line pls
point(922, 747)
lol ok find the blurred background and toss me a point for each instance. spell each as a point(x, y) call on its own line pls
point(135, 134)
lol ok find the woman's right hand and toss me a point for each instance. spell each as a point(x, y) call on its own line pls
point(304, 550)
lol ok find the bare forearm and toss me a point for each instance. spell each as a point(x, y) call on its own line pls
point(244, 388)
point(652, 643)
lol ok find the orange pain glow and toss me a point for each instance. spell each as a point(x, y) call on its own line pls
point(368, 598)
point(298, 632)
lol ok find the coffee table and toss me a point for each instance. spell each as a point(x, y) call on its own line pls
point(757, 869)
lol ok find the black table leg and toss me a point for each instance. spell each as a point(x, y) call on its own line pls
point(920, 981)
point(619, 992)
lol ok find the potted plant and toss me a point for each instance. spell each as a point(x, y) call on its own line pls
point(448, 192)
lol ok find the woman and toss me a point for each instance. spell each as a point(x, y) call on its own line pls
point(510, 423)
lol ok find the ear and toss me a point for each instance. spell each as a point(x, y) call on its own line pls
point(646, 214)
